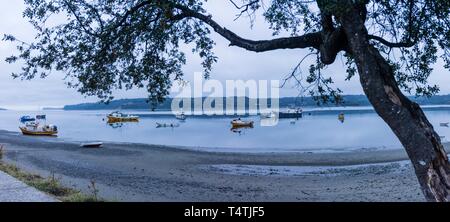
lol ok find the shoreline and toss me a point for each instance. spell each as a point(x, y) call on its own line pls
point(282, 158)
point(139, 172)
point(386, 154)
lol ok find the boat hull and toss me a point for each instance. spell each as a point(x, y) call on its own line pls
point(159, 125)
point(180, 117)
point(25, 131)
point(92, 145)
point(112, 119)
point(242, 125)
point(282, 115)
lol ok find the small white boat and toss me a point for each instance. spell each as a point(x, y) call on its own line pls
point(92, 144)
point(268, 115)
point(181, 116)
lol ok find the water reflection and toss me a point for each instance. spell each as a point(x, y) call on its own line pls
point(240, 129)
point(115, 125)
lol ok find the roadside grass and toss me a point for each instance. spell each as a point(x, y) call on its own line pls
point(50, 185)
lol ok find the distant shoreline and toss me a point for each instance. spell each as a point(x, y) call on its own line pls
point(349, 100)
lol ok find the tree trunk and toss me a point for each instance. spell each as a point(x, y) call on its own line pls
point(405, 118)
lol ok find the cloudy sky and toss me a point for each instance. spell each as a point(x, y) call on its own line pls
point(234, 63)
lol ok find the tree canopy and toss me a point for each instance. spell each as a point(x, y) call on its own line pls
point(104, 45)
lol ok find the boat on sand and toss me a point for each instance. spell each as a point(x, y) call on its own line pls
point(39, 130)
point(92, 144)
point(34, 127)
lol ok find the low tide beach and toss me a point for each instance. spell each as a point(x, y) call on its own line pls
point(140, 172)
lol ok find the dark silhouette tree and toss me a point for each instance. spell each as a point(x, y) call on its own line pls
point(392, 44)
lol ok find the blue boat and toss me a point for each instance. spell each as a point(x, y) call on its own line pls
point(41, 117)
point(25, 119)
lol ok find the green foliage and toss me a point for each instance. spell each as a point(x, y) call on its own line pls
point(105, 45)
point(425, 26)
point(322, 91)
point(293, 16)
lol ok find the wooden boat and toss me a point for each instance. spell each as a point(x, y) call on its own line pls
point(92, 145)
point(237, 123)
point(117, 116)
point(37, 130)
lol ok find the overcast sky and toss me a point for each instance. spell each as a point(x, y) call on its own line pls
point(234, 63)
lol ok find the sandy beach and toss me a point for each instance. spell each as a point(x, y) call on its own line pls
point(139, 172)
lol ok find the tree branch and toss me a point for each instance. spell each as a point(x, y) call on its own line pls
point(392, 44)
point(308, 40)
point(80, 21)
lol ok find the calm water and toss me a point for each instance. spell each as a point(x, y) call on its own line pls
point(360, 130)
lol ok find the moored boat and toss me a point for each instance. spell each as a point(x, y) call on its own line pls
point(180, 116)
point(121, 117)
point(291, 113)
point(236, 123)
point(159, 125)
point(341, 117)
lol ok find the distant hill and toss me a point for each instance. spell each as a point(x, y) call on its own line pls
point(138, 104)
point(2, 109)
point(119, 104)
point(349, 100)
point(52, 108)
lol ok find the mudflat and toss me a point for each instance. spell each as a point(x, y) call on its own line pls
point(140, 172)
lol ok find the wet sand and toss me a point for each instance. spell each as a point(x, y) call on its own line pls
point(139, 172)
